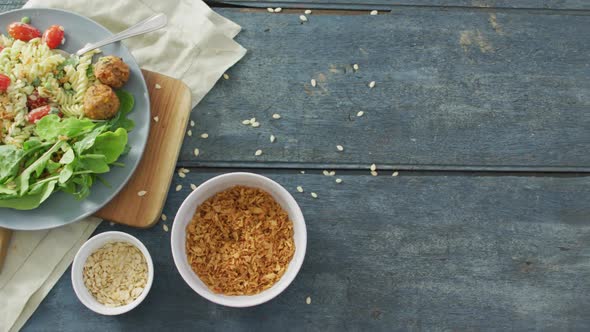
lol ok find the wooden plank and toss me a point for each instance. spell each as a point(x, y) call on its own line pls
point(395, 4)
point(171, 104)
point(384, 4)
point(413, 252)
point(454, 90)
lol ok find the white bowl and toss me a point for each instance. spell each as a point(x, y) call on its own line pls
point(93, 244)
point(210, 188)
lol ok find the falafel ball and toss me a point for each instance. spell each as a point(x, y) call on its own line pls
point(112, 71)
point(100, 102)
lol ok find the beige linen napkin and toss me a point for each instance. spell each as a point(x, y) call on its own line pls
point(197, 47)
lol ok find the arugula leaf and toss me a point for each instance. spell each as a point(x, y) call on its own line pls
point(66, 173)
point(68, 157)
point(27, 202)
point(97, 163)
point(23, 179)
point(52, 126)
point(31, 201)
point(32, 143)
point(88, 141)
point(126, 106)
point(10, 159)
point(110, 144)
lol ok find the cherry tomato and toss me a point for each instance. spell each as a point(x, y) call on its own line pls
point(35, 101)
point(54, 36)
point(4, 82)
point(1, 48)
point(39, 112)
point(23, 31)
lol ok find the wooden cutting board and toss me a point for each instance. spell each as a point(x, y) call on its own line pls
point(171, 103)
point(4, 240)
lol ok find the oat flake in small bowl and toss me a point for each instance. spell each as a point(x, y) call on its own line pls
point(115, 274)
point(112, 273)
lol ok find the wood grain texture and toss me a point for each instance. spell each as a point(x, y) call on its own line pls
point(5, 235)
point(415, 252)
point(171, 103)
point(395, 4)
point(454, 90)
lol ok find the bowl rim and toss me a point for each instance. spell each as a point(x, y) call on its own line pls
point(240, 301)
point(78, 266)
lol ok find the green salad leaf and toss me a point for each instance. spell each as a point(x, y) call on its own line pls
point(110, 144)
point(64, 154)
point(10, 159)
point(120, 120)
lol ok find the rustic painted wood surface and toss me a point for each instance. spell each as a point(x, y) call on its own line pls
point(394, 4)
point(457, 89)
point(424, 250)
point(413, 252)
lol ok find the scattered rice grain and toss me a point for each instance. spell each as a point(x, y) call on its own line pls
point(396, 173)
point(373, 167)
point(303, 18)
point(272, 138)
point(193, 186)
point(182, 175)
point(196, 152)
point(308, 300)
point(307, 11)
point(165, 227)
point(204, 135)
point(373, 12)
point(338, 180)
point(246, 122)
point(270, 10)
point(225, 76)
point(374, 173)
point(314, 195)
point(355, 67)
point(156, 119)
point(300, 189)
point(339, 147)
point(141, 193)
point(158, 86)
point(313, 82)
point(164, 217)
point(276, 116)
point(192, 123)
point(372, 84)
point(256, 124)
point(360, 113)
point(189, 132)
point(278, 10)
point(179, 187)
point(258, 152)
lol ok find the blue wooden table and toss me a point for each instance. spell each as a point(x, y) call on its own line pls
point(483, 109)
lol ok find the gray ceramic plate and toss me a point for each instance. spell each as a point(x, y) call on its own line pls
point(62, 208)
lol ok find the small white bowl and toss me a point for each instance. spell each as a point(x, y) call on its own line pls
point(210, 188)
point(93, 244)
